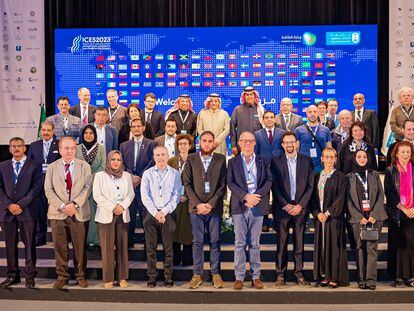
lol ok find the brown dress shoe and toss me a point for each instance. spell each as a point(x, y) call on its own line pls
point(83, 283)
point(59, 284)
point(257, 284)
point(238, 285)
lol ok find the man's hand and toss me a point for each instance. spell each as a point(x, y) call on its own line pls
point(160, 217)
point(118, 210)
point(252, 199)
point(322, 217)
point(295, 210)
point(69, 209)
point(15, 209)
point(203, 209)
point(136, 180)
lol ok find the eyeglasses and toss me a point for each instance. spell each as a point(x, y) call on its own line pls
point(289, 142)
point(247, 141)
point(16, 146)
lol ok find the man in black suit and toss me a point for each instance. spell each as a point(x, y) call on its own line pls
point(106, 133)
point(20, 182)
point(368, 117)
point(152, 116)
point(292, 189)
point(204, 179)
point(43, 152)
point(84, 110)
point(137, 154)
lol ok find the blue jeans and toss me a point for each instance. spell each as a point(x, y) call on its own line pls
point(247, 230)
point(198, 223)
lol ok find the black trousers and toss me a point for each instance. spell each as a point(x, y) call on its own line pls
point(28, 235)
point(298, 223)
point(151, 228)
point(136, 208)
point(42, 206)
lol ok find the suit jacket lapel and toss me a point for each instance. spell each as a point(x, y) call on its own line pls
point(265, 137)
point(286, 169)
point(282, 119)
point(353, 190)
point(240, 168)
point(371, 181)
point(365, 116)
point(108, 139)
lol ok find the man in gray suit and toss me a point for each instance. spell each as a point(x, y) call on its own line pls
point(117, 114)
point(67, 187)
point(286, 120)
point(106, 133)
point(168, 139)
point(368, 117)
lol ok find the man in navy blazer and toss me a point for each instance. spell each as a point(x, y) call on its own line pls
point(137, 155)
point(20, 182)
point(292, 189)
point(249, 180)
point(43, 152)
point(106, 133)
point(152, 116)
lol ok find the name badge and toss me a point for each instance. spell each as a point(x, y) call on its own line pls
point(366, 205)
point(182, 190)
point(206, 187)
point(44, 168)
point(183, 132)
point(313, 153)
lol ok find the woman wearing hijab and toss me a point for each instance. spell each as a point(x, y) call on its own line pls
point(365, 202)
point(93, 153)
point(328, 205)
point(356, 140)
point(183, 237)
point(113, 193)
point(133, 113)
point(399, 185)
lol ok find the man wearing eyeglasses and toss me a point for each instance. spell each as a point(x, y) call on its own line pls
point(249, 180)
point(20, 183)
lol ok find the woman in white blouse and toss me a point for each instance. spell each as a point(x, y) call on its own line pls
point(113, 193)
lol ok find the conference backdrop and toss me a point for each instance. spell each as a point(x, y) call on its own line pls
point(305, 63)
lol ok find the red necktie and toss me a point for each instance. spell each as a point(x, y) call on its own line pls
point(270, 136)
point(68, 180)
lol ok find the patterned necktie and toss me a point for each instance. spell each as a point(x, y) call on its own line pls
point(287, 121)
point(16, 172)
point(148, 119)
point(270, 136)
point(68, 180)
point(85, 117)
point(359, 117)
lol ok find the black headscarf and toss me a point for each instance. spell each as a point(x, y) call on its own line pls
point(356, 168)
point(90, 150)
point(87, 145)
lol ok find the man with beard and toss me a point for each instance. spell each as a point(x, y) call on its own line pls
point(205, 192)
point(183, 114)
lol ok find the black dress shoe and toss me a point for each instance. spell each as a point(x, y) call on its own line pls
point(151, 283)
point(372, 287)
point(168, 282)
point(333, 285)
point(362, 285)
point(280, 282)
point(302, 282)
point(398, 283)
point(265, 228)
point(30, 283)
point(9, 282)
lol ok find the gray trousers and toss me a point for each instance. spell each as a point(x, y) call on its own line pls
point(366, 255)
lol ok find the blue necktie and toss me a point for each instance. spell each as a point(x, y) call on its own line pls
point(16, 172)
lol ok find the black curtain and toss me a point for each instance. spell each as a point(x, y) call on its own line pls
point(207, 13)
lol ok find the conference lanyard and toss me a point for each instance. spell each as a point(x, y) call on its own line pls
point(407, 114)
point(314, 132)
point(250, 175)
point(181, 117)
point(364, 183)
point(46, 150)
point(111, 116)
point(161, 180)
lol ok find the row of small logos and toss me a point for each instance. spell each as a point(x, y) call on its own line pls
point(187, 57)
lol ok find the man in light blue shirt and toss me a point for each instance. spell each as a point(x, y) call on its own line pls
point(160, 193)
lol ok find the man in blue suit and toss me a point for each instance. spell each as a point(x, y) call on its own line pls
point(20, 182)
point(137, 154)
point(43, 152)
point(106, 133)
point(249, 180)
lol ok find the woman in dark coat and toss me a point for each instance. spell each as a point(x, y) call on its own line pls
point(365, 207)
point(183, 236)
point(133, 112)
point(399, 187)
point(328, 201)
point(357, 140)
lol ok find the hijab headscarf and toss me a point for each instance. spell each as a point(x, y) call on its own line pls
point(109, 170)
point(356, 168)
point(176, 106)
point(89, 149)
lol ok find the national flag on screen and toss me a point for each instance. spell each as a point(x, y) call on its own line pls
point(183, 57)
point(122, 67)
point(281, 64)
point(183, 66)
point(318, 55)
point(134, 93)
point(159, 84)
point(317, 100)
point(134, 75)
point(295, 101)
point(257, 65)
point(257, 83)
point(269, 74)
point(244, 65)
point(123, 84)
point(293, 55)
point(330, 65)
point(330, 55)
point(208, 83)
point(147, 57)
point(306, 101)
point(293, 91)
point(134, 57)
point(159, 57)
point(232, 74)
point(294, 65)
point(318, 82)
point(196, 74)
point(318, 73)
point(133, 101)
point(100, 102)
point(111, 66)
point(159, 75)
point(111, 75)
point(111, 57)
point(123, 93)
point(208, 57)
point(281, 73)
point(147, 84)
point(306, 82)
point(319, 91)
point(111, 84)
point(220, 56)
point(294, 82)
point(294, 74)
point(232, 56)
point(183, 74)
point(306, 91)
point(268, 56)
point(171, 84)
point(257, 56)
point(220, 66)
point(125, 101)
point(171, 57)
point(244, 83)
point(269, 83)
point(330, 82)
point(183, 83)
point(282, 82)
point(281, 55)
point(232, 66)
point(244, 74)
point(220, 74)
point(257, 74)
point(331, 73)
point(195, 84)
point(147, 66)
point(306, 55)
point(135, 84)
point(208, 75)
point(148, 75)
point(306, 64)
point(195, 57)
point(244, 56)
point(134, 66)
point(220, 83)
point(100, 58)
point(122, 57)
point(171, 67)
point(232, 83)
point(171, 75)
point(196, 66)
point(100, 76)
point(318, 65)
point(268, 65)
point(208, 66)
point(330, 91)
point(159, 66)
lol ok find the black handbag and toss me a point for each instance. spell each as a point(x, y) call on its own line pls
point(369, 233)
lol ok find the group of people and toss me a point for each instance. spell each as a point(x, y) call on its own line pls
point(96, 169)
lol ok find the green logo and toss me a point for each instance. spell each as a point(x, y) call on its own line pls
point(309, 38)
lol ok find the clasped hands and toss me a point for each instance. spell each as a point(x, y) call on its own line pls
point(118, 210)
point(365, 221)
point(136, 180)
point(292, 210)
point(252, 199)
point(15, 209)
point(69, 209)
point(203, 208)
point(160, 217)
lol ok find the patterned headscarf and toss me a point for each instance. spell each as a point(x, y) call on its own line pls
point(109, 170)
point(176, 106)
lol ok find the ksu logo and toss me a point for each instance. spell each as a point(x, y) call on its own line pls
point(76, 44)
point(309, 38)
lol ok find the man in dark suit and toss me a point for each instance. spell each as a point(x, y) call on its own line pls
point(117, 114)
point(204, 179)
point(154, 117)
point(341, 132)
point(368, 117)
point(106, 133)
point(137, 154)
point(292, 189)
point(249, 180)
point(168, 139)
point(20, 182)
point(84, 110)
point(286, 120)
point(43, 152)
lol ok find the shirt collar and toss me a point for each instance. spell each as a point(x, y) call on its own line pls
point(292, 160)
point(21, 161)
point(286, 115)
point(252, 157)
point(171, 137)
point(138, 139)
point(71, 162)
point(97, 126)
point(205, 157)
point(156, 169)
point(48, 141)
